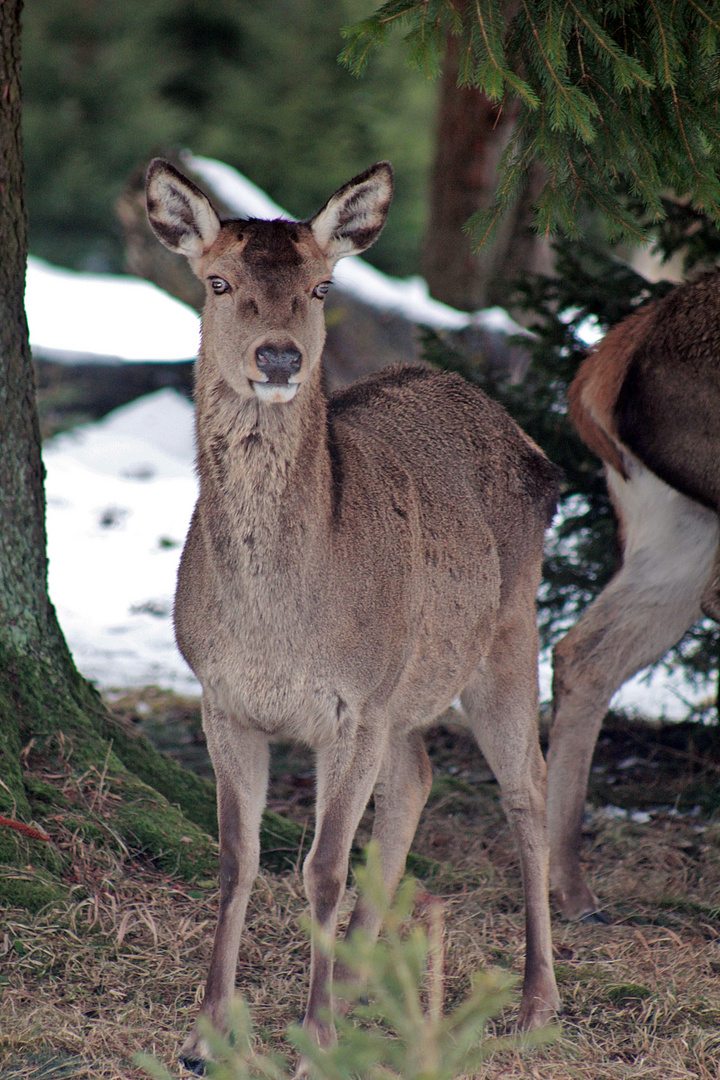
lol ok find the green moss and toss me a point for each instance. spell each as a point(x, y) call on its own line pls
point(284, 844)
point(13, 848)
point(176, 844)
point(13, 800)
point(420, 866)
point(30, 891)
point(43, 796)
point(17, 850)
point(43, 1065)
point(459, 796)
point(71, 729)
point(193, 794)
point(626, 992)
point(687, 905)
point(576, 975)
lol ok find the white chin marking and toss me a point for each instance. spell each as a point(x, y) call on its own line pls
point(273, 394)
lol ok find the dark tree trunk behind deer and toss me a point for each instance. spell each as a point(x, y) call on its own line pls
point(472, 133)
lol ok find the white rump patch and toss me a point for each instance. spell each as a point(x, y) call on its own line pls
point(673, 537)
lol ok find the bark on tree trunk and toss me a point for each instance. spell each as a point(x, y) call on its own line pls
point(472, 133)
point(26, 619)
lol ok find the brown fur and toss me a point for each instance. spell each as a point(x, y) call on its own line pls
point(668, 409)
point(647, 401)
point(353, 564)
point(596, 386)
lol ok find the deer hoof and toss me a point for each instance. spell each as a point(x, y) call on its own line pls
point(575, 902)
point(539, 1010)
point(193, 1065)
point(597, 917)
point(195, 1054)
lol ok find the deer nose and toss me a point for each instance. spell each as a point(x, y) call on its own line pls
point(278, 364)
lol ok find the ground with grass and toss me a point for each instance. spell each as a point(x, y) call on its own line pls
point(118, 965)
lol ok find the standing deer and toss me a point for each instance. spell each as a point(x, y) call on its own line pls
point(647, 401)
point(353, 564)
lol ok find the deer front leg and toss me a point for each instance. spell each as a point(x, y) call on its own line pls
point(240, 758)
point(346, 775)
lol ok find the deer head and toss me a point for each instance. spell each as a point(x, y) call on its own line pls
point(263, 323)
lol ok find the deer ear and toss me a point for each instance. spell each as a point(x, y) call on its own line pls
point(353, 218)
point(181, 216)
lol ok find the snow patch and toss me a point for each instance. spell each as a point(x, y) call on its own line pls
point(72, 315)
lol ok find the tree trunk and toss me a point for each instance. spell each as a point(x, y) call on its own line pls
point(472, 134)
point(66, 764)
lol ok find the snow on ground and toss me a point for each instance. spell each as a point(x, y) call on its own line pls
point(120, 493)
point(74, 316)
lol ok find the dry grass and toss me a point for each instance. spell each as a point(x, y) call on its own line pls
point(120, 968)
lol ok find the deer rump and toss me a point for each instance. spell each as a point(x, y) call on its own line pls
point(667, 411)
point(665, 408)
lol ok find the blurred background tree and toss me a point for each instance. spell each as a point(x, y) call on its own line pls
point(257, 85)
point(558, 109)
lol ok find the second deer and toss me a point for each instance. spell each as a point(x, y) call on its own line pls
point(647, 401)
point(353, 564)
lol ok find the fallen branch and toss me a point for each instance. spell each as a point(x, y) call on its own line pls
point(26, 830)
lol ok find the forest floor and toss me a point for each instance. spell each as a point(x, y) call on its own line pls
point(119, 968)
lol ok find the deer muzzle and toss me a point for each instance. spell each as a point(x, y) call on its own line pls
point(278, 365)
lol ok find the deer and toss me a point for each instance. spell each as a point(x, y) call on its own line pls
point(646, 400)
point(354, 562)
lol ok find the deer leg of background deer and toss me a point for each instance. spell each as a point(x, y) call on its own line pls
point(346, 774)
point(644, 610)
point(399, 795)
point(240, 758)
point(501, 706)
point(710, 601)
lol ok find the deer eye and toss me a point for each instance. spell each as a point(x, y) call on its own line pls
point(219, 285)
point(320, 291)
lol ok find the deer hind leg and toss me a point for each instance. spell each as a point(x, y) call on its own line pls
point(346, 774)
point(710, 600)
point(501, 707)
point(670, 543)
point(240, 758)
point(400, 793)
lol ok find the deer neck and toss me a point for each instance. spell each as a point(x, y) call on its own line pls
point(265, 472)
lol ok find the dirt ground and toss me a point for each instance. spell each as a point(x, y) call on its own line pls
point(120, 968)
